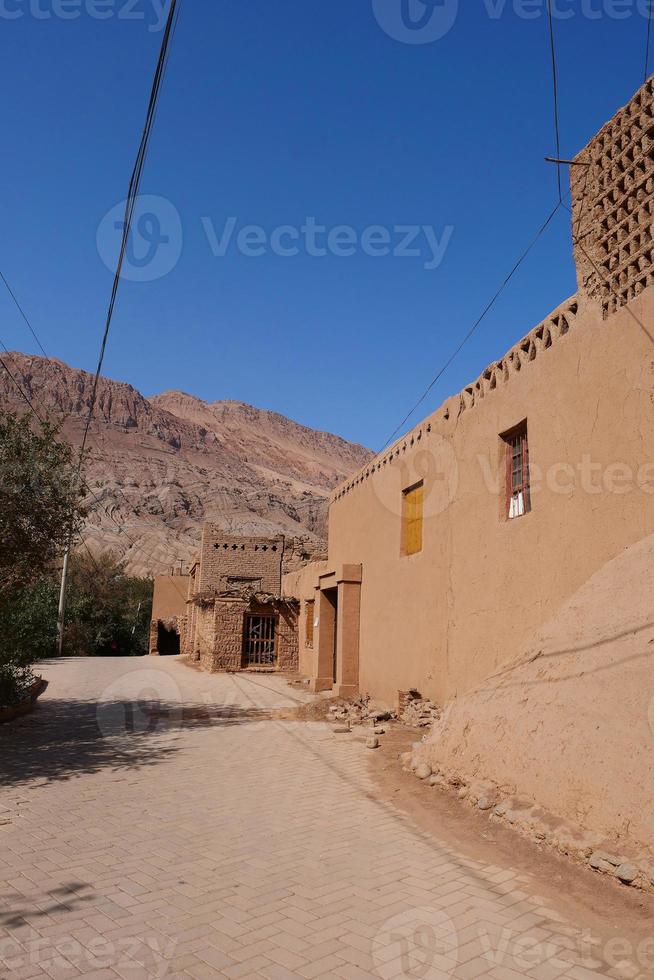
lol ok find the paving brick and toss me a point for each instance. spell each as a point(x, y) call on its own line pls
point(229, 848)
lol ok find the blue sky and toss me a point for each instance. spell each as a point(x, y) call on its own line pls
point(272, 112)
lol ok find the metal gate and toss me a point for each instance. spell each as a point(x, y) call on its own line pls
point(260, 641)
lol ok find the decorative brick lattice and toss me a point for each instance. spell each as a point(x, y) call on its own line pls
point(613, 206)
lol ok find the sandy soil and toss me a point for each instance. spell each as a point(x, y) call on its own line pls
point(610, 909)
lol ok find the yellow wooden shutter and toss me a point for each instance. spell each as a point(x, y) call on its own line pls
point(413, 500)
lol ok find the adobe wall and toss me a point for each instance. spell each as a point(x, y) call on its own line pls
point(445, 618)
point(168, 604)
point(189, 646)
point(301, 585)
point(221, 633)
point(228, 562)
point(169, 596)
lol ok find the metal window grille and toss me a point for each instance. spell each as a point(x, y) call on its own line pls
point(260, 641)
point(517, 462)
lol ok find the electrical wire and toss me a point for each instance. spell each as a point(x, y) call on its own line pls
point(475, 325)
point(648, 44)
point(132, 196)
point(22, 313)
point(555, 84)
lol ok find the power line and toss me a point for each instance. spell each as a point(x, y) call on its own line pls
point(648, 44)
point(475, 325)
point(557, 129)
point(19, 388)
point(132, 195)
point(22, 313)
point(555, 83)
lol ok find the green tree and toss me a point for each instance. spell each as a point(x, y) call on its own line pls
point(108, 614)
point(39, 500)
point(108, 611)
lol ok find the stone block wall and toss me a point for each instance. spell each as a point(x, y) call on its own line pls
point(612, 183)
point(230, 563)
point(223, 620)
point(287, 637)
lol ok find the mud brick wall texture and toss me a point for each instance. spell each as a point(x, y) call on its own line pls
point(221, 636)
point(287, 638)
point(612, 185)
point(228, 563)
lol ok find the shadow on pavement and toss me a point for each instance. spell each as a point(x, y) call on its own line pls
point(64, 738)
point(63, 899)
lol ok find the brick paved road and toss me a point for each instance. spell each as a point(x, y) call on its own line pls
point(155, 821)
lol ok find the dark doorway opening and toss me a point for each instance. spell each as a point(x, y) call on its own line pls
point(331, 595)
point(167, 642)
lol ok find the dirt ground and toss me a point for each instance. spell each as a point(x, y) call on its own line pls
point(610, 908)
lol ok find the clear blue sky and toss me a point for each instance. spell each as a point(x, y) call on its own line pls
point(273, 111)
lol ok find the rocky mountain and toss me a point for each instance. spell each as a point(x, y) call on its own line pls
point(159, 467)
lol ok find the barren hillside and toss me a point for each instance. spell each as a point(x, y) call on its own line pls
point(161, 466)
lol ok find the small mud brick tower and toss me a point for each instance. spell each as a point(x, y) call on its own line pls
point(237, 618)
point(612, 183)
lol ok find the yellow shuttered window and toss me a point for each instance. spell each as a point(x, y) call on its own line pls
point(412, 513)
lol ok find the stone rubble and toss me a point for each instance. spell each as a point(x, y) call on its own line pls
point(525, 816)
point(415, 711)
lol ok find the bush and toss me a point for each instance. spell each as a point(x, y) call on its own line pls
point(15, 682)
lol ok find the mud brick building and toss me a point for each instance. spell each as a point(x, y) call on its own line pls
point(236, 616)
point(454, 546)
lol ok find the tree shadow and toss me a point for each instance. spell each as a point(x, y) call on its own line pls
point(66, 898)
point(64, 738)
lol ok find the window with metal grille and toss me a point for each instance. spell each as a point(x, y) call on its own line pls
point(309, 612)
point(412, 504)
point(259, 641)
point(518, 493)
